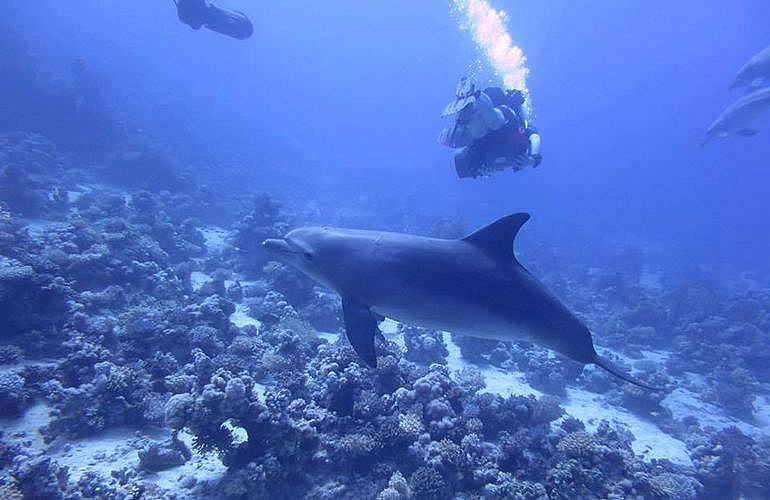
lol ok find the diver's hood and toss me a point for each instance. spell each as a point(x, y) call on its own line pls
point(232, 23)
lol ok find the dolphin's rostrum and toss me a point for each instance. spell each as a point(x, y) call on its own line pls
point(755, 73)
point(741, 116)
point(472, 286)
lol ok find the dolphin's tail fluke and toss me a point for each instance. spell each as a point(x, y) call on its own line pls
point(613, 369)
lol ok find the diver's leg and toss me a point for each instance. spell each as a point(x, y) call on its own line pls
point(463, 165)
point(468, 162)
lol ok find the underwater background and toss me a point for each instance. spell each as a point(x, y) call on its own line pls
point(150, 349)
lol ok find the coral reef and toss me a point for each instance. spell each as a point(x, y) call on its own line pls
point(161, 456)
point(121, 308)
point(424, 346)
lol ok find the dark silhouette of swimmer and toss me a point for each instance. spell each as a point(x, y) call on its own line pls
point(202, 13)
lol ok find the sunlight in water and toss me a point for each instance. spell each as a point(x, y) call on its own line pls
point(489, 32)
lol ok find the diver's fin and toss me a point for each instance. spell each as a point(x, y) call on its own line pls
point(497, 238)
point(747, 132)
point(361, 328)
point(458, 105)
point(610, 367)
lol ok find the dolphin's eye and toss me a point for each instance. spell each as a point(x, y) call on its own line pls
point(308, 256)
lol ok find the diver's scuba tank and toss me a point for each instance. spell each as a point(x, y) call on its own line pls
point(534, 144)
point(197, 13)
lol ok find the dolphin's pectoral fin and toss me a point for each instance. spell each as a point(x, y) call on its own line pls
point(758, 82)
point(610, 367)
point(361, 328)
point(497, 238)
point(747, 132)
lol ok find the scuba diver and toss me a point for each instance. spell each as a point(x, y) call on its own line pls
point(197, 13)
point(491, 129)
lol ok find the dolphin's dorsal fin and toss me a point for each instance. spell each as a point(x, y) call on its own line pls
point(497, 238)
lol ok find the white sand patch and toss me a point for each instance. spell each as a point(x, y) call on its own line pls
point(260, 390)
point(216, 239)
point(25, 430)
point(38, 227)
point(109, 451)
point(650, 441)
point(507, 383)
point(202, 467)
point(241, 318)
point(80, 190)
point(199, 279)
point(329, 337)
point(657, 357)
point(502, 382)
point(683, 403)
point(73, 196)
point(391, 329)
point(42, 363)
point(119, 448)
point(762, 413)
point(652, 280)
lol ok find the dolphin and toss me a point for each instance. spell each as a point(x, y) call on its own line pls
point(472, 286)
point(738, 117)
point(755, 73)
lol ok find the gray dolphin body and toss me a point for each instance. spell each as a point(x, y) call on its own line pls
point(473, 286)
point(739, 118)
point(756, 72)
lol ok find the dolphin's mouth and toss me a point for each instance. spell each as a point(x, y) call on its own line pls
point(278, 246)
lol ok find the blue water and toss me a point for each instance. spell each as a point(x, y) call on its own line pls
point(346, 96)
point(334, 109)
